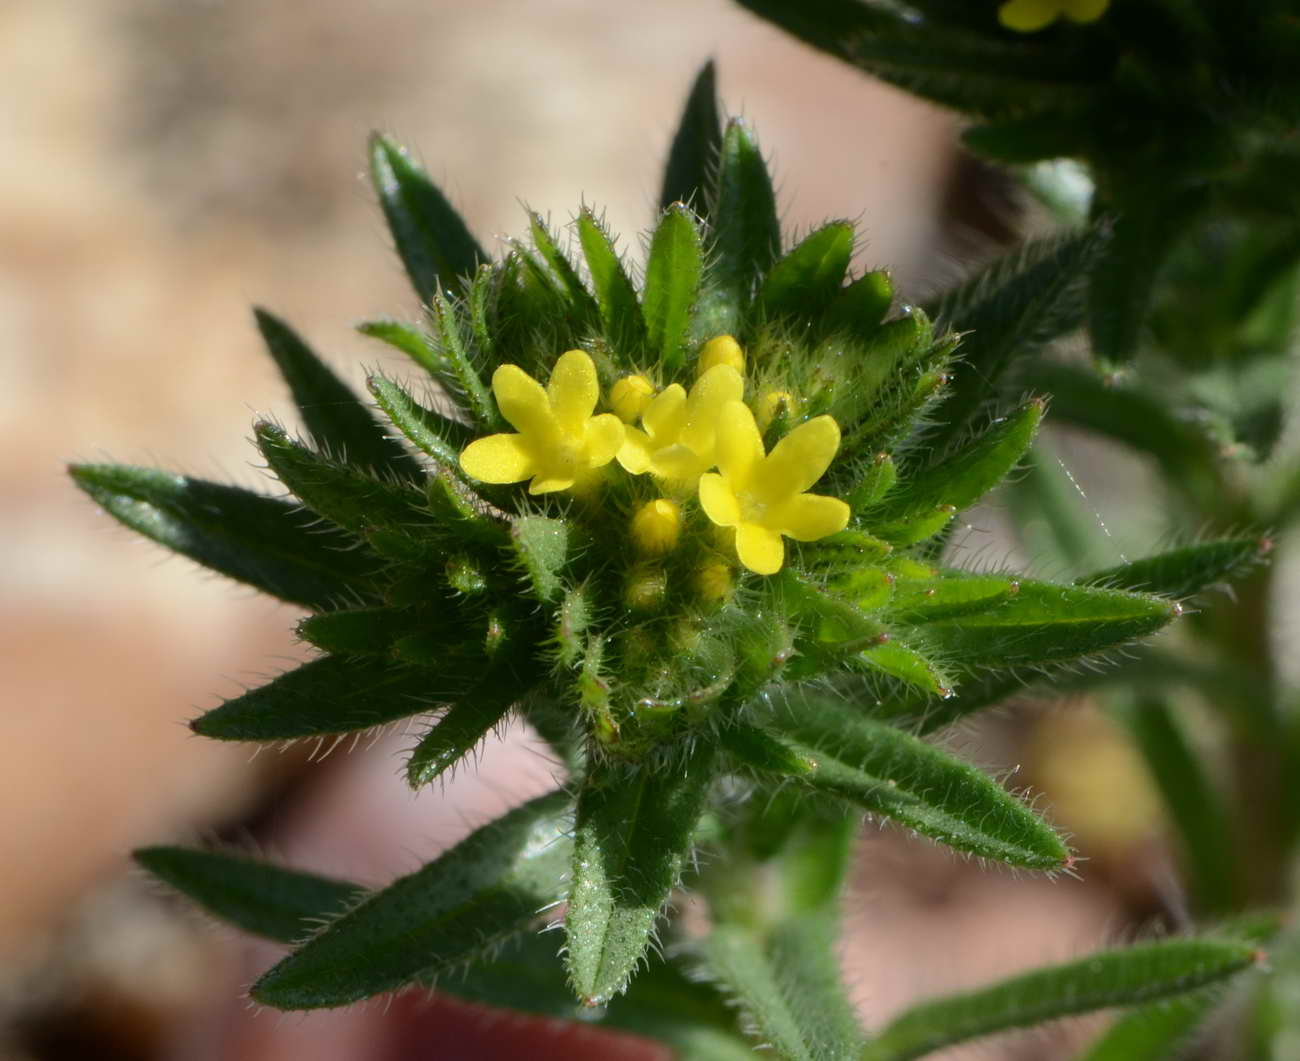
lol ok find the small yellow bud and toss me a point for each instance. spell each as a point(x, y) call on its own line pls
point(657, 526)
point(646, 589)
point(629, 397)
point(770, 405)
point(714, 581)
point(721, 350)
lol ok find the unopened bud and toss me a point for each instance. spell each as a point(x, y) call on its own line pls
point(629, 396)
point(772, 404)
point(657, 526)
point(714, 581)
point(721, 350)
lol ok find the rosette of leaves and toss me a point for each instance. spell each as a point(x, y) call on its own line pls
point(698, 700)
point(1185, 111)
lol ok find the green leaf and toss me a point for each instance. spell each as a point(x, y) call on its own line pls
point(1185, 572)
point(542, 546)
point(267, 900)
point(859, 308)
point(265, 542)
point(895, 775)
point(1196, 809)
point(360, 631)
point(1159, 1031)
point(620, 311)
point(807, 280)
point(406, 339)
point(1044, 623)
point(962, 478)
point(693, 157)
point(951, 596)
point(332, 414)
point(1008, 311)
point(441, 437)
point(672, 279)
point(334, 694)
point(1053, 524)
point(831, 25)
point(460, 729)
point(435, 246)
point(634, 830)
point(787, 983)
point(487, 889)
point(584, 306)
point(907, 665)
point(461, 377)
point(1110, 978)
point(746, 232)
point(346, 495)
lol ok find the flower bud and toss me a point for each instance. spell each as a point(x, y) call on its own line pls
point(629, 396)
point(721, 350)
point(657, 526)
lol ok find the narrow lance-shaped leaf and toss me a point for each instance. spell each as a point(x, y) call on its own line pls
point(619, 308)
point(346, 495)
point(335, 694)
point(583, 305)
point(461, 376)
point(1111, 978)
point(332, 414)
point(434, 243)
point(406, 339)
point(263, 541)
point(634, 830)
point(787, 983)
point(1009, 310)
point(267, 900)
point(441, 437)
point(1158, 1031)
point(1045, 623)
point(487, 889)
point(693, 157)
point(1187, 571)
point(898, 776)
point(672, 277)
point(746, 232)
point(460, 729)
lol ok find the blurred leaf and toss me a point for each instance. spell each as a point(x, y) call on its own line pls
point(672, 278)
point(746, 232)
point(436, 247)
point(270, 544)
point(1159, 1031)
point(1109, 978)
point(787, 983)
point(619, 309)
point(341, 493)
point(267, 900)
point(693, 157)
point(332, 414)
point(922, 787)
point(489, 888)
point(334, 694)
point(1050, 518)
point(634, 830)
point(1187, 571)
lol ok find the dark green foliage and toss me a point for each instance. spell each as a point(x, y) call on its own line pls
point(406, 339)
point(487, 889)
point(460, 730)
point(268, 543)
point(439, 436)
point(1185, 572)
point(620, 309)
point(1110, 978)
point(672, 280)
point(436, 247)
point(693, 157)
point(333, 415)
point(807, 280)
point(266, 900)
point(746, 233)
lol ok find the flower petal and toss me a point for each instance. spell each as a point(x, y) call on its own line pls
point(573, 390)
point(542, 485)
point(524, 403)
point(664, 416)
point(808, 517)
point(718, 386)
point(761, 550)
point(739, 447)
point(498, 459)
point(679, 462)
point(1027, 16)
point(635, 452)
point(717, 500)
point(800, 459)
point(605, 435)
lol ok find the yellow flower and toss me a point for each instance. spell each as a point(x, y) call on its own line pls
point(1029, 16)
point(721, 350)
point(681, 429)
point(559, 442)
point(763, 495)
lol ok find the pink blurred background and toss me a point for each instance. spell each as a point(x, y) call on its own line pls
point(165, 164)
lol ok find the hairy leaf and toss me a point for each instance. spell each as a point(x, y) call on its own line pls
point(1187, 571)
point(672, 277)
point(693, 157)
point(441, 437)
point(806, 281)
point(619, 308)
point(746, 232)
point(408, 340)
point(489, 888)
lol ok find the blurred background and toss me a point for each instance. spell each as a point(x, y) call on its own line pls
point(167, 163)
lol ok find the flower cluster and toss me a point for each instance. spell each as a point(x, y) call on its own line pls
point(1029, 16)
point(561, 443)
